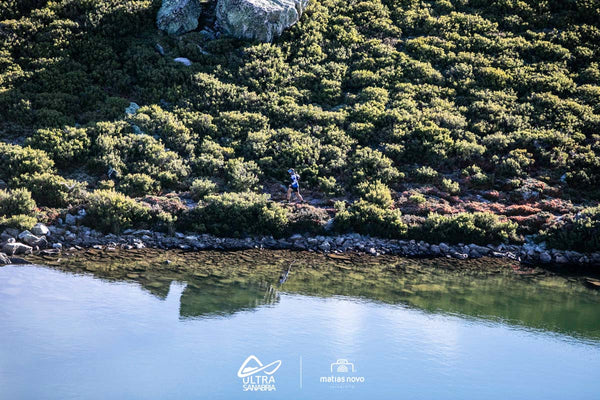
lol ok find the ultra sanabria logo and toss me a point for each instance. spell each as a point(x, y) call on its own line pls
point(257, 377)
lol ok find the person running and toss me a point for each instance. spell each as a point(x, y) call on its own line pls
point(294, 186)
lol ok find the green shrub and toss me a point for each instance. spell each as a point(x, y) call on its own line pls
point(211, 158)
point(476, 177)
point(140, 154)
point(202, 187)
point(417, 198)
point(106, 184)
point(242, 175)
point(52, 190)
point(515, 164)
point(153, 120)
point(110, 211)
point(329, 186)
point(65, 146)
point(426, 174)
point(369, 219)
point(449, 186)
point(20, 222)
point(16, 160)
point(376, 193)
point(480, 228)
point(580, 232)
point(237, 214)
point(288, 148)
point(368, 164)
point(138, 185)
point(16, 201)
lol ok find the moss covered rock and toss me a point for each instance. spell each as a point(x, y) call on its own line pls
point(261, 20)
point(178, 16)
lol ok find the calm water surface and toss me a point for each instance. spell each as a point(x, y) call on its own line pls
point(432, 335)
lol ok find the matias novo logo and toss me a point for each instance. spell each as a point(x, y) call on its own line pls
point(256, 376)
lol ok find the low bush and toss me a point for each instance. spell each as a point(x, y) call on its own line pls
point(65, 146)
point(110, 211)
point(15, 202)
point(140, 154)
point(307, 219)
point(236, 215)
point(417, 198)
point(138, 185)
point(367, 164)
point(376, 193)
point(480, 228)
point(449, 186)
point(16, 160)
point(52, 190)
point(425, 174)
point(202, 187)
point(369, 219)
point(330, 186)
point(21, 222)
point(580, 232)
point(242, 175)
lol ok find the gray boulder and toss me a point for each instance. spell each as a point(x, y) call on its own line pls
point(4, 259)
point(32, 240)
point(261, 20)
point(178, 16)
point(40, 230)
point(16, 248)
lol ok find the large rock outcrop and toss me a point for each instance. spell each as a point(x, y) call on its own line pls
point(178, 16)
point(261, 20)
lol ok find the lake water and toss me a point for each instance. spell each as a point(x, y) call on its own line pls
point(408, 333)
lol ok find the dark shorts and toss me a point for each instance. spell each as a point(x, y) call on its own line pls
point(295, 188)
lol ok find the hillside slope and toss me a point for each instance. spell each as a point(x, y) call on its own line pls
point(422, 114)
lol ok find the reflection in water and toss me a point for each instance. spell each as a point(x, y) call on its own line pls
point(208, 298)
point(220, 284)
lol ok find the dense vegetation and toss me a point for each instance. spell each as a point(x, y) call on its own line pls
point(412, 110)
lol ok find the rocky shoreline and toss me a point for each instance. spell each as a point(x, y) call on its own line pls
point(54, 239)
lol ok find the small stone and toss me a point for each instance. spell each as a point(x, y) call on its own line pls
point(159, 49)
point(545, 258)
point(132, 109)
point(183, 60)
point(70, 219)
point(561, 259)
point(57, 246)
point(325, 246)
